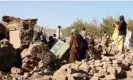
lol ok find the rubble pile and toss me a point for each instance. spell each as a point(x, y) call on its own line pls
point(37, 56)
point(107, 64)
point(7, 55)
point(108, 68)
point(27, 32)
point(25, 27)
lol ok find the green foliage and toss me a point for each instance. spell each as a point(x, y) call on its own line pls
point(107, 25)
point(130, 24)
point(92, 29)
point(79, 24)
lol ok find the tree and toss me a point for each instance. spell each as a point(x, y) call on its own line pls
point(107, 25)
point(79, 24)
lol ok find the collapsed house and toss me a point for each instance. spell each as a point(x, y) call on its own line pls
point(21, 31)
point(37, 63)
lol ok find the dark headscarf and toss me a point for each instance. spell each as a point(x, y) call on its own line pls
point(122, 26)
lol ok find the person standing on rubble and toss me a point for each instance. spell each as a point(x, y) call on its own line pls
point(128, 39)
point(115, 34)
point(122, 33)
point(51, 42)
point(74, 46)
point(91, 45)
point(43, 35)
point(83, 33)
point(85, 40)
point(58, 33)
point(40, 35)
point(2, 35)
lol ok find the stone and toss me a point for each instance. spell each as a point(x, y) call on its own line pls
point(110, 77)
point(60, 75)
point(111, 70)
point(80, 75)
point(94, 78)
point(8, 56)
point(64, 67)
point(129, 74)
point(120, 73)
point(131, 67)
point(24, 53)
point(85, 67)
point(26, 75)
point(71, 71)
point(74, 66)
point(1, 73)
point(98, 68)
point(40, 64)
point(14, 79)
point(37, 55)
point(15, 70)
point(100, 75)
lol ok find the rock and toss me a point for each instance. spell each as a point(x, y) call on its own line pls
point(70, 71)
point(1, 73)
point(37, 55)
point(98, 68)
point(120, 73)
point(130, 74)
point(75, 66)
point(79, 75)
point(94, 78)
point(125, 65)
point(100, 75)
point(26, 75)
point(27, 32)
point(85, 67)
point(15, 70)
point(7, 55)
point(14, 79)
point(60, 75)
point(131, 67)
point(40, 64)
point(64, 67)
point(111, 70)
point(36, 69)
point(24, 53)
point(110, 77)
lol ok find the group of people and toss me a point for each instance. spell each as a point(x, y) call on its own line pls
point(40, 35)
point(80, 44)
point(122, 35)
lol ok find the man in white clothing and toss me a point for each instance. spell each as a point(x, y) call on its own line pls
point(58, 33)
point(128, 38)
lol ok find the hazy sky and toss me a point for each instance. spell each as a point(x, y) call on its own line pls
point(63, 13)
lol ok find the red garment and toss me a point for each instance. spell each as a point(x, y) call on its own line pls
point(74, 47)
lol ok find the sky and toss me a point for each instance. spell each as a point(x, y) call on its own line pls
point(64, 13)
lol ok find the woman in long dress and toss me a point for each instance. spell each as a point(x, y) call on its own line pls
point(115, 34)
point(74, 46)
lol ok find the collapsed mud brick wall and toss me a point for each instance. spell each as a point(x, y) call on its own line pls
point(26, 27)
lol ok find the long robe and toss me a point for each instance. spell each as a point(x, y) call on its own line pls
point(127, 41)
point(121, 35)
point(115, 35)
point(74, 48)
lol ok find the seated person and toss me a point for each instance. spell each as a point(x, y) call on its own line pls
point(51, 42)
